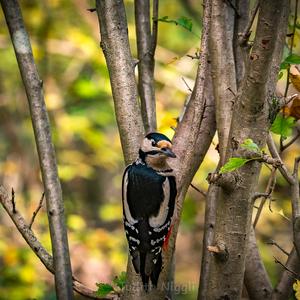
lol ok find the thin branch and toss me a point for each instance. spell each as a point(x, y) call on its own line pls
point(154, 26)
point(13, 201)
point(45, 148)
point(204, 194)
point(273, 243)
point(246, 34)
point(188, 87)
point(295, 275)
point(146, 44)
point(37, 210)
point(290, 142)
point(274, 152)
point(37, 247)
point(284, 287)
point(268, 192)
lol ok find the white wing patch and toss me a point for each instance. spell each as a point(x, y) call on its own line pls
point(127, 213)
point(161, 217)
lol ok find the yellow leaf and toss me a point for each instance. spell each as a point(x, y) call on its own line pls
point(76, 222)
point(296, 287)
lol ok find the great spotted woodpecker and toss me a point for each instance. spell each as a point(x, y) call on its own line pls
point(148, 194)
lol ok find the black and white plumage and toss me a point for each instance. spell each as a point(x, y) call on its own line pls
point(148, 194)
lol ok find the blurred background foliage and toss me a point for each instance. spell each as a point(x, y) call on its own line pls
point(65, 40)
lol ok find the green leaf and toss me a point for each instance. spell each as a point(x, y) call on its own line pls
point(233, 164)
point(283, 125)
point(292, 59)
point(250, 145)
point(120, 280)
point(104, 289)
point(279, 75)
point(185, 23)
point(284, 65)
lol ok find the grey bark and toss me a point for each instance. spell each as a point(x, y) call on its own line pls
point(240, 53)
point(146, 49)
point(116, 49)
point(256, 278)
point(250, 120)
point(223, 68)
point(296, 207)
point(41, 126)
point(209, 225)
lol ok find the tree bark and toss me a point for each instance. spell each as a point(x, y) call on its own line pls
point(250, 120)
point(223, 68)
point(116, 49)
point(41, 126)
point(256, 278)
point(146, 49)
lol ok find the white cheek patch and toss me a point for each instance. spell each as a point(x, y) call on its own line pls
point(127, 213)
point(147, 145)
point(161, 217)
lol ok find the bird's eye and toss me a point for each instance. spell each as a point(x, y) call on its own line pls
point(153, 142)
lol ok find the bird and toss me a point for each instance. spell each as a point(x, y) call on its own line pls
point(148, 197)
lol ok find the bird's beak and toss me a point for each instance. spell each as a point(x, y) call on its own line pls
point(168, 152)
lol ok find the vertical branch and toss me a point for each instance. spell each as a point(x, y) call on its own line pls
point(256, 278)
point(296, 206)
point(223, 69)
point(208, 237)
point(240, 53)
point(115, 46)
point(146, 48)
point(41, 126)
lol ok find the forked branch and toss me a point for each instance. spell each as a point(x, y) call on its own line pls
point(38, 249)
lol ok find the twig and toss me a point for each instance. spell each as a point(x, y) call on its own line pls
point(196, 56)
point(268, 192)
point(154, 26)
point(39, 250)
point(289, 143)
point(198, 190)
point(246, 34)
point(273, 243)
point(13, 201)
point(188, 87)
point(260, 195)
point(37, 210)
point(283, 170)
point(231, 91)
point(295, 275)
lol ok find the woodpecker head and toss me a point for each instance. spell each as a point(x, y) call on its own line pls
point(155, 149)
